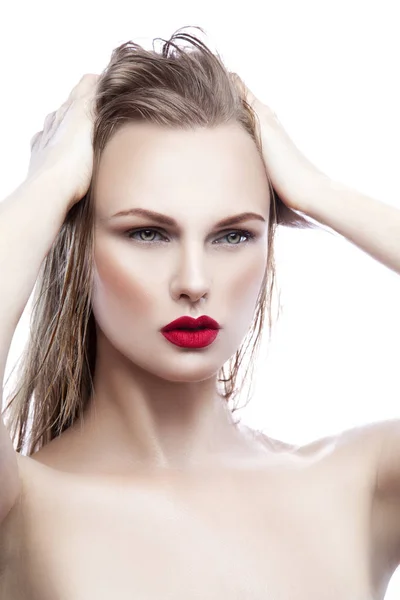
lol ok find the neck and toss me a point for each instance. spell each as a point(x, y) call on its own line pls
point(138, 420)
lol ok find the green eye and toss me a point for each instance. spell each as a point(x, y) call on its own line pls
point(242, 232)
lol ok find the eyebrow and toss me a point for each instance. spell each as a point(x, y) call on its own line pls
point(165, 220)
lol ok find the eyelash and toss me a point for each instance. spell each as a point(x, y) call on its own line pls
point(250, 236)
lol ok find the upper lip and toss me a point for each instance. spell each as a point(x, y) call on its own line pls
point(190, 323)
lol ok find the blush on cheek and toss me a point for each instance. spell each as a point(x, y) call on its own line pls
point(240, 294)
point(245, 286)
point(118, 287)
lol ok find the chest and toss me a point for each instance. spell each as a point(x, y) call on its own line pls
point(289, 535)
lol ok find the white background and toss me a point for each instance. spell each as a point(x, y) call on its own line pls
point(330, 70)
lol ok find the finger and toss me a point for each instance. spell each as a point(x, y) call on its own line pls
point(85, 86)
point(251, 99)
point(49, 120)
point(244, 90)
point(61, 112)
point(238, 82)
point(35, 138)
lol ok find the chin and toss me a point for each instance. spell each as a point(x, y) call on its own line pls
point(184, 368)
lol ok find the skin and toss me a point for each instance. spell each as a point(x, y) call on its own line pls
point(158, 494)
point(155, 404)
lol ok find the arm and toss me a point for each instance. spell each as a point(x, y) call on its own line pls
point(30, 219)
point(387, 489)
point(375, 228)
point(60, 172)
point(379, 445)
point(368, 223)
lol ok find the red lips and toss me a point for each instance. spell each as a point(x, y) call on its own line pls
point(202, 322)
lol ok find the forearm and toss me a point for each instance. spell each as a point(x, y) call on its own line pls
point(30, 219)
point(368, 223)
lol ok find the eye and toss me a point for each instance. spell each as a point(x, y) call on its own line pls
point(241, 232)
point(140, 231)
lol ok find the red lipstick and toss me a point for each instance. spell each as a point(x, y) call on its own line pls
point(191, 333)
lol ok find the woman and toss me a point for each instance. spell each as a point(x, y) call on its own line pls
point(148, 216)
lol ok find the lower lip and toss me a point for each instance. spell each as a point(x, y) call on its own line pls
point(187, 338)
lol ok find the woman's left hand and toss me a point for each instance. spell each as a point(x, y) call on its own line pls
point(296, 180)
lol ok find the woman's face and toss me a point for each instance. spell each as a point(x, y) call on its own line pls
point(148, 273)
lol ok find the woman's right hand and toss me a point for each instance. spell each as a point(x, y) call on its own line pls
point(64, 146)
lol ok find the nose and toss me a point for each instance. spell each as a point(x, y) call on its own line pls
point(190, 279)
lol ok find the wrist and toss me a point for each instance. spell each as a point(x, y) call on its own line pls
point(50, 183)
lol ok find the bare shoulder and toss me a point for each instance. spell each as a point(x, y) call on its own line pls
point(369, 455)
point(373, 443)
point(29, 472)
point(358, 445)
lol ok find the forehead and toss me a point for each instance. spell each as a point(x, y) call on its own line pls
point(147, 163)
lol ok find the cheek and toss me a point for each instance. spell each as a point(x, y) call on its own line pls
point(241, 292)
point(118, 288)
point(243, 287)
